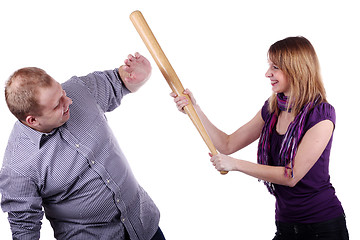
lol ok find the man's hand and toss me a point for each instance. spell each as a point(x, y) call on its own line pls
point(135, 72)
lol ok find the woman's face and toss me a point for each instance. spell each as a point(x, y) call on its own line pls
point(279, 81)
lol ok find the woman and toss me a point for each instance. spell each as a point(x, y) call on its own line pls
point(295, 128)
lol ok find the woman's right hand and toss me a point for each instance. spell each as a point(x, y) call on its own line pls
point(182, 101)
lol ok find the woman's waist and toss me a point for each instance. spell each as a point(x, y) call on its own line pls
point(293, 205)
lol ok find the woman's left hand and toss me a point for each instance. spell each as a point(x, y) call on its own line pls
point(223, 162)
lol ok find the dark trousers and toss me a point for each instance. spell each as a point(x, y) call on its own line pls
point(334, 229)
point(158, 235)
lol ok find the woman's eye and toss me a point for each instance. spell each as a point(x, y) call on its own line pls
point(275, 67)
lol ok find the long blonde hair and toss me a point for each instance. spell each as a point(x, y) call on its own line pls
point(297, 58)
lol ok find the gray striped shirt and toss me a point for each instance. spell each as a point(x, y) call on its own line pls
point(77, 174)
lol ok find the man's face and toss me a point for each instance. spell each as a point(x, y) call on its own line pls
point(54, 107)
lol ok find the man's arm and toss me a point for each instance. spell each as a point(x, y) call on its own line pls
point(21, 200)
point(109, 87)
point(135, 72)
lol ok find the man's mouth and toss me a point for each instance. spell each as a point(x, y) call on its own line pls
point(66, 112)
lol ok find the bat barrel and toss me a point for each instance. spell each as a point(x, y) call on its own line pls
point(169, 74)
point(156, 52)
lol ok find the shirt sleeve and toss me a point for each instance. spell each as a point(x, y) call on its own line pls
point(20, 199)
point(106, 87)
point(321, 112)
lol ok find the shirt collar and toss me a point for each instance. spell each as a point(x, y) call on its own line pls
point(35, 136)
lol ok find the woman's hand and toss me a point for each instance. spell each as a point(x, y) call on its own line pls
point(223, 162)
point(182, 101)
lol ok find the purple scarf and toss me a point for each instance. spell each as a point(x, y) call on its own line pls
point(290, 142)
point(282, 102)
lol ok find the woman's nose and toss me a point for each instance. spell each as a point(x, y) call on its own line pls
point(268, 73)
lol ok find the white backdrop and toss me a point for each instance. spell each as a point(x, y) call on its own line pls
point(218, 49)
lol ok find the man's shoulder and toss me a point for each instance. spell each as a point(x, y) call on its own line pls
point(74, 81)
point(22, 142)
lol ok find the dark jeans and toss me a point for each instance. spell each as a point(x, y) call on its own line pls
point(334, 229)
point(158, 235)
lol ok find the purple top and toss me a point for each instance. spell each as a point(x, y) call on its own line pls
point(313, 198)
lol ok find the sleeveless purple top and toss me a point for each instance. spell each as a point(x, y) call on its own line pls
point(313, 198)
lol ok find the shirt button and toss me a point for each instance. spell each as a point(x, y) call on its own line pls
point(77, 145)
point(92, 161)
point(123, 220)
point(107, 180)
point(117, 200)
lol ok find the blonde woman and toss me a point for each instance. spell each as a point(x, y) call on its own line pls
point(295, 129)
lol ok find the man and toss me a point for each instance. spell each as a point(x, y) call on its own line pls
point(62, 157)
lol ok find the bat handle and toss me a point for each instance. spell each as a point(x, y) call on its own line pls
point(191, 112)
point(213, 153)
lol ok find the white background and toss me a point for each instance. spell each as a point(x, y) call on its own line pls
point(218, 49)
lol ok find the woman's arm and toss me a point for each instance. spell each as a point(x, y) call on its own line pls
point(309, 150)
point(224, 143)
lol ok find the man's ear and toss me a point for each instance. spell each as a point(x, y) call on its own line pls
point(31, 121)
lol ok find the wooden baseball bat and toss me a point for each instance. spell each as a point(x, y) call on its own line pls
point(167, 70)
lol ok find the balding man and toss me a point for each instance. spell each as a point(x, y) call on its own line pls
point(63, 160)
